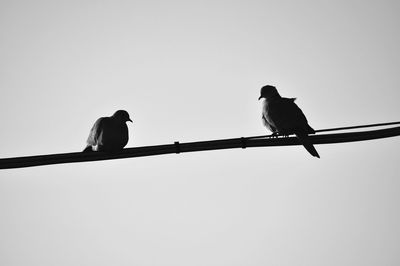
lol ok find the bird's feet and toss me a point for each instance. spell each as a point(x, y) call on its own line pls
point(274, 135)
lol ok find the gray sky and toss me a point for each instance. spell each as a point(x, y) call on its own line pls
point(189, 71)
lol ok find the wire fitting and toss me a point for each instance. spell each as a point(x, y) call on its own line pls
point(243, 142)
point(177, 147)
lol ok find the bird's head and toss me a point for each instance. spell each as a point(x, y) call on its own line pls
point(122, 116)
point(268, 91)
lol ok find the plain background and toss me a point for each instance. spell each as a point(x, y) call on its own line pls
point(191, 71)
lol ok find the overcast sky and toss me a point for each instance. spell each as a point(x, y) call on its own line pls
point(191, 71)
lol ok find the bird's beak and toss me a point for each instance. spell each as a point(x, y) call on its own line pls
point(130, 120)
point(259, 97)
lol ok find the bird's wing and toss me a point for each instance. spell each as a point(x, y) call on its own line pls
point(95, 132)
point(287, 116)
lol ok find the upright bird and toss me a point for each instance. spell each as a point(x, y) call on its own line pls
point(282, 116)
point(109, 133)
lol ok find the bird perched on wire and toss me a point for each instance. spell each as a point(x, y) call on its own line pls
point(109, 133)
point(283, 117)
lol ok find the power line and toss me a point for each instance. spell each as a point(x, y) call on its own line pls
point(356, 127)
point(339, 129)
point(243, 142)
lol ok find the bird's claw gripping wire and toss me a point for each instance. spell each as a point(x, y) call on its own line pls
point(276, 135)
point(273, 135)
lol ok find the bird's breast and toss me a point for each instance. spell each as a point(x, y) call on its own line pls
point(266, 110)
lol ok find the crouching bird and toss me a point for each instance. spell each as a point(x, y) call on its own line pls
point(282, 116)
point(109, 133)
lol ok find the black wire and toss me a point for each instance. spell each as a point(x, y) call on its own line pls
point(334, 129)
point(37, 160)
point(354, 127)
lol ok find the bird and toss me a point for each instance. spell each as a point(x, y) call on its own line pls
point(283, 117)
point(109, 134)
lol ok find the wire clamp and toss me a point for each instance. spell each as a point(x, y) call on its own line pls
point(243, 142)
point(177, 147)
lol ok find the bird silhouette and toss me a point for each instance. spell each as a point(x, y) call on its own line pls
point(282, 116)
point(109, 133)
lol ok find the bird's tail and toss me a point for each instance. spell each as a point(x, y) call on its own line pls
point(88, 149)
point(310, 130)
point(303, 139)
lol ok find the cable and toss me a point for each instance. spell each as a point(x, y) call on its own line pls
point(220, 144)
point(355, 127)
point(333, 129)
